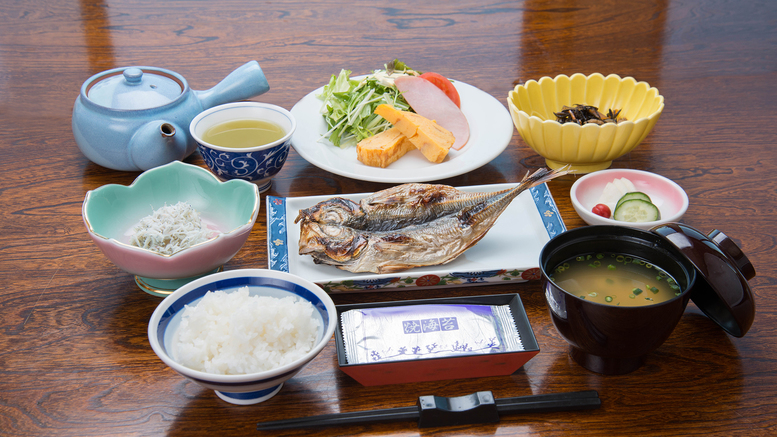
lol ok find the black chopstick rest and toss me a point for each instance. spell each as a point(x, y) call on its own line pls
point(437, 411)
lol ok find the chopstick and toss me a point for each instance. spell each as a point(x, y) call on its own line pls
point(433, 411)
point(335, 419)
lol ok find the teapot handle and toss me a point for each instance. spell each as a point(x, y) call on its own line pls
point(245, 82)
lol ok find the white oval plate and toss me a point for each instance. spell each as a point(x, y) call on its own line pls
point(490, 128)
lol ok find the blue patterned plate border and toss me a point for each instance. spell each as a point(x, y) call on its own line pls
point(280, 222)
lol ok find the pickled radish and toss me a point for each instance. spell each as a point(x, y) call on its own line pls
point(614, 190)
point(621, 201)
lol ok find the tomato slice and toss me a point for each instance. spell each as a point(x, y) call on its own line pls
point(445, 85)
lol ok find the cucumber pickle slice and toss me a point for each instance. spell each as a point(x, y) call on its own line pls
point(636, 211)
point(633, 195)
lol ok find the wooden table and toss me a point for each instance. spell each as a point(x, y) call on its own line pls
point(74, 353)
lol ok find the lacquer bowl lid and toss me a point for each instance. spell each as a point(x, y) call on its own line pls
point(721, 289)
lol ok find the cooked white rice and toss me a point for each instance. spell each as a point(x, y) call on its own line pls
point(236, 333)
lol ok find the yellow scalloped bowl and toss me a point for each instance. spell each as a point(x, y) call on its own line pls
point(590, 147)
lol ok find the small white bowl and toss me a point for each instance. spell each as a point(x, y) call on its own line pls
point(670, 198)
point(250, 388)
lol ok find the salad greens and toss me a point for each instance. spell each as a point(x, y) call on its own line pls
point(349, 104)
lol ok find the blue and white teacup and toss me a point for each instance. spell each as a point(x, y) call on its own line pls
point(257, 164)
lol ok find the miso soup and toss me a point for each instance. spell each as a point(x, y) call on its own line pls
point(615, 279)
point(241, 134)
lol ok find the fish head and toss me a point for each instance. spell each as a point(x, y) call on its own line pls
point(334, 210)
point(340, 244)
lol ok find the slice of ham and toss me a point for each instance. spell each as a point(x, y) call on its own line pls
point(431, 102)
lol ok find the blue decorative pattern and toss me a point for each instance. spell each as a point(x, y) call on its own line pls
point(374, 284)
point(277, 241)
point(548, 210)
point(251, 166)
point(473, 277)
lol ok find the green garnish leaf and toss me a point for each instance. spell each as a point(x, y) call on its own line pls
point(397, 66)
point(349, 107)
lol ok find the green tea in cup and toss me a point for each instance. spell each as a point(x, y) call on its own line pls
point(242, 134)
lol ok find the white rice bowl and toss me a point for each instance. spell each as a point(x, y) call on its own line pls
point(235, 333)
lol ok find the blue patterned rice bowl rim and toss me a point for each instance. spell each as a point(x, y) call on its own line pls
point(167, 315)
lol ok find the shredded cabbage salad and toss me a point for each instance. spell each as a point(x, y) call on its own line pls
point(349, 104)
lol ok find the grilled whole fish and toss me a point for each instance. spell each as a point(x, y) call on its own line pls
point(405, 226)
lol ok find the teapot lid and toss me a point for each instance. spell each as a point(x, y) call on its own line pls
point(721, 290)
point(134, 88)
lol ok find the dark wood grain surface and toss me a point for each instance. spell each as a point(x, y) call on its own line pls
point(74, 354)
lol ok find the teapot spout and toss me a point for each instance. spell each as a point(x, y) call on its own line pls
point(245, 82)
point(167, 130)
point(156, 143)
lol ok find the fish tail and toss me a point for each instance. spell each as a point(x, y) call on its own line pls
point(497, 204)
point(539, 177)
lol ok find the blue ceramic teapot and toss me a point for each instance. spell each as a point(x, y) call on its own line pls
point(137, 118)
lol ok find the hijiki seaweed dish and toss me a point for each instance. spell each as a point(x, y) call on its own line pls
point(585, 114)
